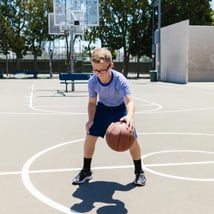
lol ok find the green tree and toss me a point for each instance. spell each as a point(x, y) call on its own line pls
point(197, 11)
point(141, 32)
point(123, 24)
point(4, 32)
point(17, 22)
point(37, 26)
point(212, 17)
point(4, 29)
point(24, 25)
point(127, 24)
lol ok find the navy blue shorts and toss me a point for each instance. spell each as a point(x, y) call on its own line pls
point(104, 116)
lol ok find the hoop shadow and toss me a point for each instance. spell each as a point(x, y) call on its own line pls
point(102, 192)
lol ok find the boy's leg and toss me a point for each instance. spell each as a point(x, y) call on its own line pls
point(135, 152)
point(89, 147)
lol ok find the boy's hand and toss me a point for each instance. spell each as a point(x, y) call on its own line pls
point(88, 126)
point(129, 121)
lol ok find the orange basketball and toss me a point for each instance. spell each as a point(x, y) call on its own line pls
point(119, 137)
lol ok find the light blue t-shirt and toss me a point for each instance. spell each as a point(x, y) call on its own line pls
point(112, 93)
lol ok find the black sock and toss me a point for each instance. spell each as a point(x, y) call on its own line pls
point(138, 167)
point(87, 164)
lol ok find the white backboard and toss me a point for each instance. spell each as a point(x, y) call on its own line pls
point(76, 12)
point(54, 29)
point(62, 30)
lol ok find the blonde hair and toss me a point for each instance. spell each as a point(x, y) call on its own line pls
point(100, 55)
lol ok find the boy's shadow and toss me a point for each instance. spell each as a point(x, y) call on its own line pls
point(102, 192)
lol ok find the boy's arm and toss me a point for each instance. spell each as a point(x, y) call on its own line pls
point(91, 112)
point(129, 118)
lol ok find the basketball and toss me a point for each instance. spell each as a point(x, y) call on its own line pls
point(119, 137)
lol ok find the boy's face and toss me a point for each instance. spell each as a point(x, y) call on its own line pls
point(101, 69)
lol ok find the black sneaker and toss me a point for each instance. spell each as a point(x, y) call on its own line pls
point(140, 179)
point(82, 177)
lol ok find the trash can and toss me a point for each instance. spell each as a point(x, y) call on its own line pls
point(1, 74)
point(153, 75)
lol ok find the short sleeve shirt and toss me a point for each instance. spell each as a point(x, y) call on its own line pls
point(112, 93)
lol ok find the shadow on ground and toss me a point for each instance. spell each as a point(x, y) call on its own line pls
point(101, 192)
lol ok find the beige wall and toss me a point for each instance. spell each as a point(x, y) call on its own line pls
point(174, 52)
point(187, 53)
point(201, 53)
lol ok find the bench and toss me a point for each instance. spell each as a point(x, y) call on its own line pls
point(74, 78)
point(28, 72)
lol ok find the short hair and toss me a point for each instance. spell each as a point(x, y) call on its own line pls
point(100, 55)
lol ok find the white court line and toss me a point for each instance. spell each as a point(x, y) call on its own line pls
point(128, 166)
point(191, 88)
point(10, 173)
point(156, 109)
point(185, 110)
point(49, 111)
point(177, 133)
point(33, 190)
point(180, 163)
point(61, 106)
point(175, 176)
point(41, 113)
point(157, 106)
point(25, 174)
point(37, 109)
point(109, 167)
point(65, 170)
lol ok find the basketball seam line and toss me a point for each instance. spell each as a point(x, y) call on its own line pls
point(118, 145)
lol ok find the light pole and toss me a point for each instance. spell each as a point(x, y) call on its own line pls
point(50, 62)
point(159, 40)
point(72, 50)
point(154, 5)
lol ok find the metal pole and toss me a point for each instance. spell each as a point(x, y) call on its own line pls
point(72, 53)
point(72, 49)
point(50, 63)
point(153, 36)
point(7, 67)
point(159, 40)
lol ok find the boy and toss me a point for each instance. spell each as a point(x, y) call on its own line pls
point(109, 101)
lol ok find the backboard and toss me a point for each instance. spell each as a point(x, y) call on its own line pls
point(52, 28)
point(76, 12)
point(62, 30)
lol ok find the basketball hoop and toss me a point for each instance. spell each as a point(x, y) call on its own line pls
point(76, 12)
point(71, 17)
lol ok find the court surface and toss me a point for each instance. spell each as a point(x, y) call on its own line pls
point(42, 133)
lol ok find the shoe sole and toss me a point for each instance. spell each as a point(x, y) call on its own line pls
point(140, 185)
point(83, 181)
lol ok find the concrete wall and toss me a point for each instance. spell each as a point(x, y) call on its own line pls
point(201, 53)
point(174, 52)
point(187, 53)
